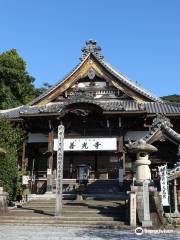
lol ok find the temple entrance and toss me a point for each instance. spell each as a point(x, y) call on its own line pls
point(102, 165)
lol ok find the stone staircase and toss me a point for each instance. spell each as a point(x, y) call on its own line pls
point(88, 213)
point(103, 207)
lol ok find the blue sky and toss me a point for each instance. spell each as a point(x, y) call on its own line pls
point(140, 38)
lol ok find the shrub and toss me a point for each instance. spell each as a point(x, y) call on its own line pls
point(11, 138)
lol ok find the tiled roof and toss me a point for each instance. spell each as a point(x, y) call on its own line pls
point(11, 113)
point(130, 83)
point(162, 124)
point(163, 108)
point(106, 106)
point(60, 82)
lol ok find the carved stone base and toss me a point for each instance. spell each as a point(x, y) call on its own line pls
point(146, 223)
point(156, 208)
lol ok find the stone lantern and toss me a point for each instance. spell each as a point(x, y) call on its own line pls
point(142, 150)
point(139, 195)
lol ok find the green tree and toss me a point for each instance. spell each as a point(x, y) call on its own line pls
point(43, 89)
point(11, 138)
point(16, 85)
point(172, 98)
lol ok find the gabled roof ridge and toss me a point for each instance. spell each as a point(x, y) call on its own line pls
point(94, 50)
point(58, 82)
point(128, 81)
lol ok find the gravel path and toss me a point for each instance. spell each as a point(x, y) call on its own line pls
point(58, 233)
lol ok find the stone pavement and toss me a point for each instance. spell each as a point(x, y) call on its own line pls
point(59, 233)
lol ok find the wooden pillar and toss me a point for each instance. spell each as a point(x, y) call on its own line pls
point(121, 153)
point(124, 162)
point(175, 198)
point(50, 161)
point(95, 163)
point(23, 163)
point(71, 166)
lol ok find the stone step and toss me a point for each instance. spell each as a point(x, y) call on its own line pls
point(70, 209)
point(79, 214)
point(81, 224)
point(110, 196)
point(79, 203)
point(96, 195)
point(102, 191)
point(118, 199)
point(86, 202)
point(61, 219)
point(91, 213)
point(64, 206)
point(103, 181)
point(103, 185)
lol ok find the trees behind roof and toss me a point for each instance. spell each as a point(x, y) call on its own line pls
point(172, 98)
point(16, 85)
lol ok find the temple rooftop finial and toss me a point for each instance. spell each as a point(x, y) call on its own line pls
point(91, 47)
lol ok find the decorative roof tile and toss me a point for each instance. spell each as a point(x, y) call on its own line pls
point(163, 125)
point(91, 47)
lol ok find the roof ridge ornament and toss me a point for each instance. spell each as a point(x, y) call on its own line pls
point(91, 47)
point(160, 120)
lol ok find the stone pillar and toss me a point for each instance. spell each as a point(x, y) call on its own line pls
point(142, 167)
point(175, 198)
point(133, 209)
point(146, 221)
point(59, 175)
point(178, 196)
point(3, 201)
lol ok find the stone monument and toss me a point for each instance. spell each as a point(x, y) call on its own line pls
point(59, 176)
point(3, 195)
point(146, 221)
point(133, 209)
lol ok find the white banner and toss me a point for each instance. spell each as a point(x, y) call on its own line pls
point(164, 186)
point(88, 144)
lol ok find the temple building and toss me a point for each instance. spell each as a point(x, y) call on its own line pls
point(102, 111)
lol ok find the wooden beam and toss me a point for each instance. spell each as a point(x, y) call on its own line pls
point(23, 163)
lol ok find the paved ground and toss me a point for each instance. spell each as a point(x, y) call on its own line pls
point(57, 233)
